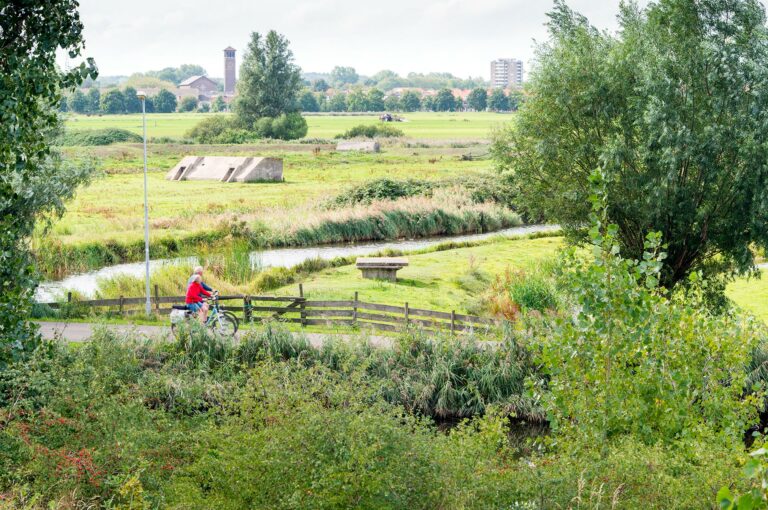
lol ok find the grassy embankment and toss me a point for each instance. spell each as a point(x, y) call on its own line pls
point(439, 279)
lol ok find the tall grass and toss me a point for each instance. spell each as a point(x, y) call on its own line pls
point(433, 375)
point(447, 212)
point(450, 211)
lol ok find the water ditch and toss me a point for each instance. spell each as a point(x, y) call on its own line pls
point(87, 283)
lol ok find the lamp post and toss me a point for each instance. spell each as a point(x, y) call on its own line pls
point(143, 96)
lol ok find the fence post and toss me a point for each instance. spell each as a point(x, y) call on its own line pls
point(406, 314)
point(303, 306)
point(247, 308)
point(120, 306)
point(157, 298)
point(354, 309)
point(453, 320)
point(69, 297)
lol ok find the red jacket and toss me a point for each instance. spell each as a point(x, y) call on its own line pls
point(195, 293)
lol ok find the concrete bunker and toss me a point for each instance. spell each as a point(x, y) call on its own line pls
point(227, 169)
point(356, 145)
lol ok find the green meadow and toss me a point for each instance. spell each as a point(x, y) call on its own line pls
point(417, 125)
point(110, 209)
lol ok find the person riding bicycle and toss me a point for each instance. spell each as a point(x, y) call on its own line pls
point(198, 271)
point(195, 300)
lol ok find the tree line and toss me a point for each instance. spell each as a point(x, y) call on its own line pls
point(345, 77)
point(374, 100)
point(116, 101)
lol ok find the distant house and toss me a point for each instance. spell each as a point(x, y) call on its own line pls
point(204, 86)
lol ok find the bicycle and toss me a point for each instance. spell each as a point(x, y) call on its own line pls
point(220, 321)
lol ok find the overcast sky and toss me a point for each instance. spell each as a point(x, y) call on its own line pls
point(456, 36)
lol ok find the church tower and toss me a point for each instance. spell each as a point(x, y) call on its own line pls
point(229, 71)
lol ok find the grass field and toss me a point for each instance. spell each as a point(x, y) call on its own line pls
point(112, 206)
point(443, 280)
point(419, 125)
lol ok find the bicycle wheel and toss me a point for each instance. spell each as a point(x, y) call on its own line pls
point(233, 318)
point(225, 324)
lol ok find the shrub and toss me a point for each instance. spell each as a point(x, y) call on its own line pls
point(235, 135)
point(382, 189)
point(372, 131)
point(630, 359)
point(290, 126)
point(224, 129)
point(106, 136)
point(208, 129)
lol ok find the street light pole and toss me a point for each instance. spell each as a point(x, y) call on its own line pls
point(143, 98)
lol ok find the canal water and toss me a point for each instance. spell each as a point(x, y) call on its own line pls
point(87, 283)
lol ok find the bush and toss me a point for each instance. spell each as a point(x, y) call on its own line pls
point(289, 126)
point(225, 129)
point(208, 129)
point(105, 136)
point(372, 131)
point(630, 360)
point(382, 189)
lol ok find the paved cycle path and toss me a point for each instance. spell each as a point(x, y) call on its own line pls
point(83, 331)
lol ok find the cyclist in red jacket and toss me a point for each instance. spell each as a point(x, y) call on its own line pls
point(195, 301)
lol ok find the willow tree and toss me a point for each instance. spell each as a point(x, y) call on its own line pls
point(34, 181)
point(673, 108)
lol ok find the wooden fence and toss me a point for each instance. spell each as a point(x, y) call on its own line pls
point(304, 311)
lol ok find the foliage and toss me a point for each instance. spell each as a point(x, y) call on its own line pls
point(357, 101)
point(498, 101)
point(477, 100)
point(188, 104)
point(673, 110)
point(320, 85)
point(372, 131)
point(78, 102)
point(286, 126)
point(341, 76)
point(392, 104)
point(177, 75)
point(132, 101)
point(756, 470)
point(210, 129)
point(309, 102)
point(382, 189)
point(113, 102)
point(444, 101)
point(164, 101)
point(140, 81)
point(90, 137)
point(532, 291)
point(337, 103)
point(94, 101)
point(34, 181)
point(273, 423)
point(411, 101)
point(634, 361)
point(375, 100)
point(218, 104)
point(269, 80)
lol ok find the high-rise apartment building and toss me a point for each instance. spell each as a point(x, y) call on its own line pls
point(229, 71)
point(506, 72)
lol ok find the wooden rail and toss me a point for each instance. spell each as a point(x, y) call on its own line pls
point(300, 310)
